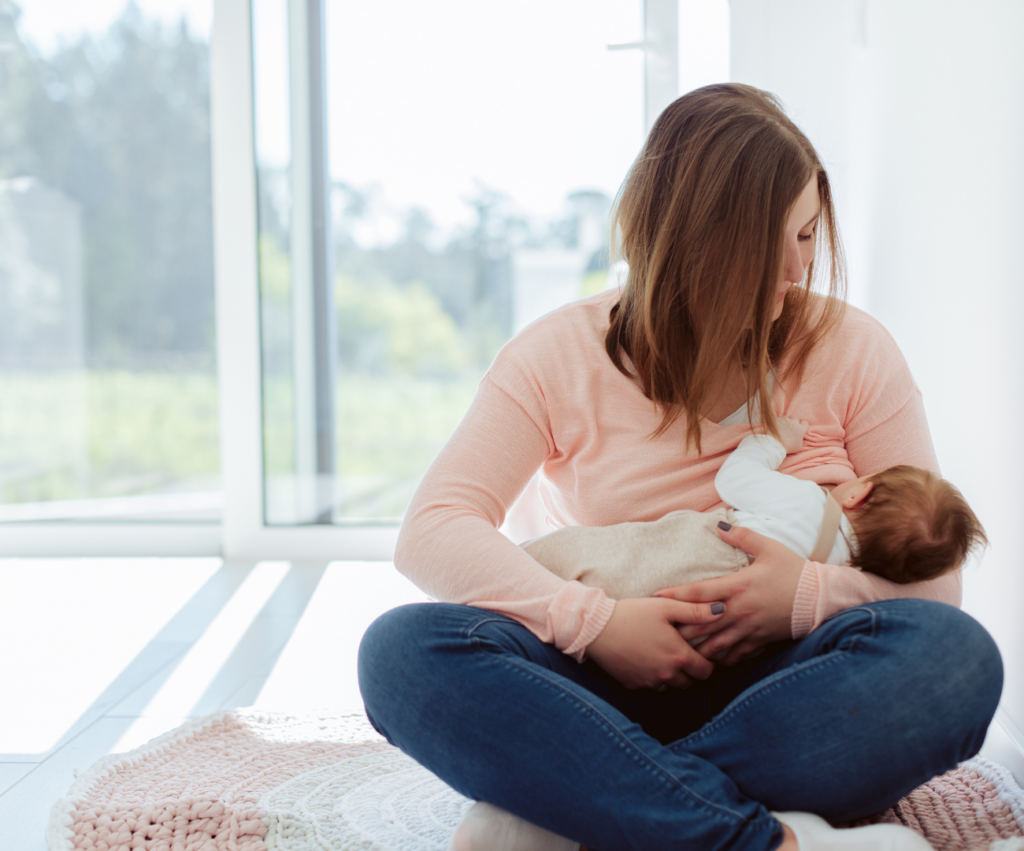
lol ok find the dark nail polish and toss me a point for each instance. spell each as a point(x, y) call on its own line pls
point(725, 527)
point(717, 608)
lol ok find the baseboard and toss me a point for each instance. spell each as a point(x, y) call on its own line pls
point(1005, 745)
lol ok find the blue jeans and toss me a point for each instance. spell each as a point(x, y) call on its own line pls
point(876, 701)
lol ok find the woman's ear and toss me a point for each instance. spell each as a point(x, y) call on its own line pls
point(856, 497)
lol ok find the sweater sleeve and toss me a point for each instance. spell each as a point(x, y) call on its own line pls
point(450, 546)
point(748, 479)
point(902, 437)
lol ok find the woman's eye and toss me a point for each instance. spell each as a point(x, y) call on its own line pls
point(806, 237)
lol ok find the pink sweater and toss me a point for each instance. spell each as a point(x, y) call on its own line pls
point(553, 400)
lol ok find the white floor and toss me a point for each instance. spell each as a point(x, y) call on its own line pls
point(101, 655)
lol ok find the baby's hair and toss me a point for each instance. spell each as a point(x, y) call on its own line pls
point(914, 525)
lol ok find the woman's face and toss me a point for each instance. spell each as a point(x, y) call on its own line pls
point(801, 229)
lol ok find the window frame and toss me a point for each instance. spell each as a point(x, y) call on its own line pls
point(242, 532)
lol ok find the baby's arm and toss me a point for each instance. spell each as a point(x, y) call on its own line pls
point(749, 481)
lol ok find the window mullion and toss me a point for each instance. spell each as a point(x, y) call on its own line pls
point(313, 334)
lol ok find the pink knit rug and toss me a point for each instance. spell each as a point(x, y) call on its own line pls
point(245, 781)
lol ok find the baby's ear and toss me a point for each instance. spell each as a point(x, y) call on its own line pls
point(859, 496)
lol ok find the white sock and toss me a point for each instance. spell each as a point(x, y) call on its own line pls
point(813, 833)
point(486, 827)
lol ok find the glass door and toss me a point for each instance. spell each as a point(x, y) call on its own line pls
point(468, 162)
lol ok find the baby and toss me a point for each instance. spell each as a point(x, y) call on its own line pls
point(904, 524)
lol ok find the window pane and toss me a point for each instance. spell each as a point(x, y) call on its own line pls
point(108, 393)
point(475, 149)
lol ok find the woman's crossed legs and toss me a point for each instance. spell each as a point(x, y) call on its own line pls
point(842, 723)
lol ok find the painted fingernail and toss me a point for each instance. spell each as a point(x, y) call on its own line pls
point(717, 608)
point(725, 527)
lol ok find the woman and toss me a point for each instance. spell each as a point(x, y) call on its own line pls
point(817, 691)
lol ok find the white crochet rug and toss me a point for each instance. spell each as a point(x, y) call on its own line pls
point(249, 781)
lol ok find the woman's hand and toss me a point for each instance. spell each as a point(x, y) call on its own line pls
point(758, 599)
point(641, 645)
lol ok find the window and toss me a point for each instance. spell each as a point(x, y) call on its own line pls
point(428, 179)
point(108, 390)
point(470, 155)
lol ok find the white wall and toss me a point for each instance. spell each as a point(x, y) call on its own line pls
point(917, 108)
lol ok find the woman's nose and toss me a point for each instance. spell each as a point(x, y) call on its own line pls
point(793, 269)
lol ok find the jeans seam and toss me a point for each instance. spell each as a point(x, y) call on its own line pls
point(642, 759)
point(486, 619)
point(874, 618)
point(868, 609)
point(849, 647)
point(767, 686)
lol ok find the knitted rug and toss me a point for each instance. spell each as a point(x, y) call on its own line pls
point(249, 781)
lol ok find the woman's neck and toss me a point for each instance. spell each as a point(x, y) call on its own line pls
point(731, 398)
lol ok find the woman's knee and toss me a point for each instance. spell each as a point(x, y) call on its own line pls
point(963, 651)
point(958, 665)
point(418, 653)
point(390, 644)
point(399, 636)
point(388, 637)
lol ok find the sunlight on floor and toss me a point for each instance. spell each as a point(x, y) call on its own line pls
point(70, 626)
point(155, 641)
point(182, 690)
point(317, 669)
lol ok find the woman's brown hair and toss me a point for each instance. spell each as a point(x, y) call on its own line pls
point(702, 217)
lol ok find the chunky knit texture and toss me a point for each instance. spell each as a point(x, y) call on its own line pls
point(554, 401)
point(976, 806)
point(201, 786)
point(250, 781)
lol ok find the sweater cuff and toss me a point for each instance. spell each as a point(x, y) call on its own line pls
point(592, 627)
point(805, 602)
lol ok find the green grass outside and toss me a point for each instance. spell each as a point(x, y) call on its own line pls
point(103, 433)
point(388, 430)
point(396, 425)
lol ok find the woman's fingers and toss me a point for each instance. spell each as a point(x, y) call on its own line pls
point(708, 591)
point(749, 541)
point(691, 631)
point(679, 680)
point(687, 612)
point(693, 664)
point(728, 640)
point(723, 587)
point(641, 647)
point(758, 600)
point(695, 619)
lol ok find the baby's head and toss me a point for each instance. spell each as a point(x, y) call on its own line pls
point(912, 525)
